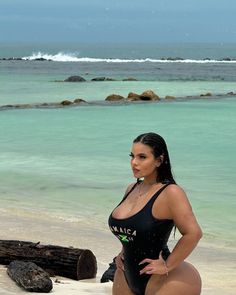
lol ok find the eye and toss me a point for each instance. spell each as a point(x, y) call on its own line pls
point(142, 157)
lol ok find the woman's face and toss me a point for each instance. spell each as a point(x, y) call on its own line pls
point(143, 162)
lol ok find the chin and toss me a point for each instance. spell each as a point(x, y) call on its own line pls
point(138, 175)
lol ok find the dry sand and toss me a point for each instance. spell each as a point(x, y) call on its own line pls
point(217, 267)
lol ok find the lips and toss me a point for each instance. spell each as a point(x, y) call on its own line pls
point(135, 171)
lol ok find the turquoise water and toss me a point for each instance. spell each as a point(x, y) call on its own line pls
point(73, 163)
point(26, 90)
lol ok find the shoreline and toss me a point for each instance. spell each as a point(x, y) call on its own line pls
point(215, 265)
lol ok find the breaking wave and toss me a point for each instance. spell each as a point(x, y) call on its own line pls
point(72, 57)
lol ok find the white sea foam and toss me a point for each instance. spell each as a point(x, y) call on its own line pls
point(72, 57)
point(60, 56)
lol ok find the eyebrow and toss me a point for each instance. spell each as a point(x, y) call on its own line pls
point(140, 154)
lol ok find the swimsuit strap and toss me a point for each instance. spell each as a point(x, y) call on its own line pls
point(156, 194)
point(126, 195)
point(133, 187)
point(153, 198)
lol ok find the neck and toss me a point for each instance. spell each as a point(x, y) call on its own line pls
point(150, 180)
point(145, 186)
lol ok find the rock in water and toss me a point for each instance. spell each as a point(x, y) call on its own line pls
point(75, 79)
point(114, 97)
point(149, 95)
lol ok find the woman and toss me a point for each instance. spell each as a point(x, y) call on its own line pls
point(143, 222)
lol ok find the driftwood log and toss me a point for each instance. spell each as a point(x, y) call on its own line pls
point(30, 276)
point(67, 262)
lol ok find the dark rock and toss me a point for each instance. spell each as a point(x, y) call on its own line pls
point(110, 79)
point(23, 106)
point(66, 102)
point(114, 97)
point(30, 276)
point(130, 79)
point(174, 58)
point(133, 96)
point(169, 97)
point(98, 79)
point(40, 59)
point(75, 79)
point(206, 94)
point(14, 58)
point(149, 95)
point(8, 106)
point(231, 93)
point(226, 59)
point(79, 100)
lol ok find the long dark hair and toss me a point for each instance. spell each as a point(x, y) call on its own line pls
point(159, 148)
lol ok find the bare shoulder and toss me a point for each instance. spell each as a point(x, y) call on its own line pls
point(173, 189)
point(175, 194)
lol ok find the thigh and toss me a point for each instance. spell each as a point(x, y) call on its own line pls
point(183, 280)
point(120, 285)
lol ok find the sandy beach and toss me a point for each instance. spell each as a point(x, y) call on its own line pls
point(217, 276)
point(79, 81)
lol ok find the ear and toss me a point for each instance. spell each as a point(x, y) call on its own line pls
point(159, 161)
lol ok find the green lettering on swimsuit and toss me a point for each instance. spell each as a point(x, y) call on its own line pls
point(123, 238)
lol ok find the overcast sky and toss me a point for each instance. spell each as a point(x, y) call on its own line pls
point(153, 21)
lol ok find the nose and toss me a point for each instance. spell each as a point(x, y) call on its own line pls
point(134, 161)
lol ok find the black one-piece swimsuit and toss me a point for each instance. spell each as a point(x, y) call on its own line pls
point(142, 236)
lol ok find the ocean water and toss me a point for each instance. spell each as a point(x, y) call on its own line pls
point(73, 163)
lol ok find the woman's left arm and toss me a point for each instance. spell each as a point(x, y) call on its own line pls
point(181, 212)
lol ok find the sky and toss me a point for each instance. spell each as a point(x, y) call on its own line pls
point(121, 21)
